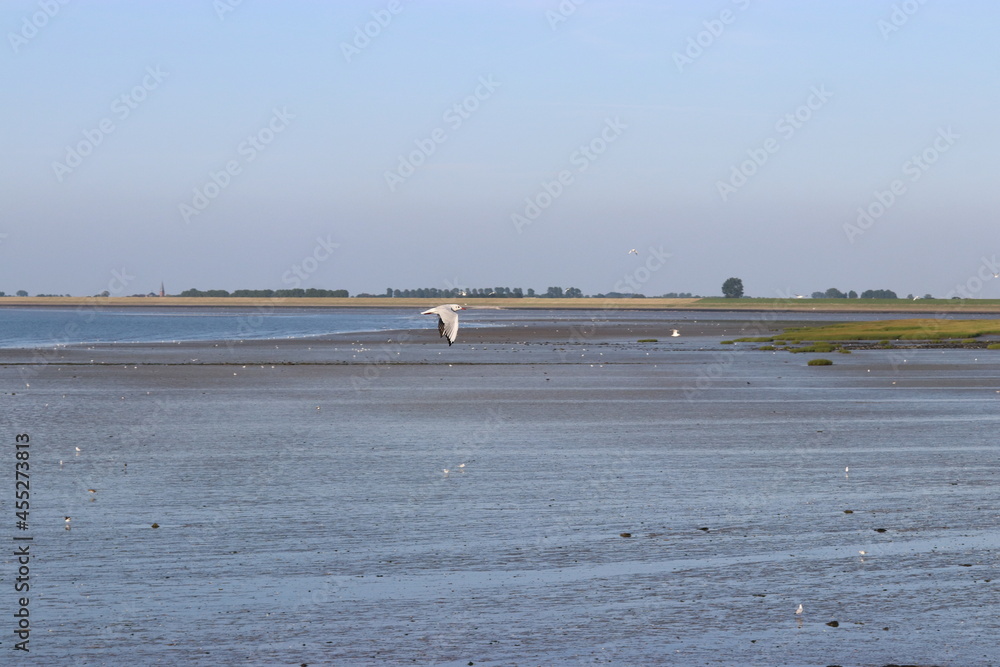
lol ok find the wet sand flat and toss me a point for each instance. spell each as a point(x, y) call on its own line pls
point(605, 501)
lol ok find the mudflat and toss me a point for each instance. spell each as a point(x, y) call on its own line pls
point(551, 493)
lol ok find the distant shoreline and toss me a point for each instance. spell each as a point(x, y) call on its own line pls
point(944, 306)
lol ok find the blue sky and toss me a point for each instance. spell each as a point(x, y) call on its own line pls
point(364, 145)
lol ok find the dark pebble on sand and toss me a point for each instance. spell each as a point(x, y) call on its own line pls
point(155, 525)
point(625, 534)
point(880, 530)
point(833, 624)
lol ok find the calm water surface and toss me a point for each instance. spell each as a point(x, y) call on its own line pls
point(50, 327)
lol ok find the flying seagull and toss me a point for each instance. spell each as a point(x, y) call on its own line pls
point(633, 251)
point(447, 320)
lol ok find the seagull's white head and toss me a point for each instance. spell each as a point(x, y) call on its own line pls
point(455, 307)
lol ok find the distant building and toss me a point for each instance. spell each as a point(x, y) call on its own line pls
point(162, 292)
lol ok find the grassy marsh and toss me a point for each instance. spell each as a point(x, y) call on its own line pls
point(883, 331)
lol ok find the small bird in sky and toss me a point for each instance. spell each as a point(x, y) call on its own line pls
point(633, 251)
point(447, 320)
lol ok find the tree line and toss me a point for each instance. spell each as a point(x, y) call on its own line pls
point(834, 293)
point(733, 289)
point(509, 293)
point(420, 293)
point(269, 293)
point(477, 292)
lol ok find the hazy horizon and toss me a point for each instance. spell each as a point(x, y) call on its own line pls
point(263, 145)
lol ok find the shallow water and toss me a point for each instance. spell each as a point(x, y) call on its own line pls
point(47, 327)
point(304, 515)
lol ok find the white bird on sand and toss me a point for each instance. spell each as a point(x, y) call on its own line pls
point(799, 610)
point(447, 320)
point(675, 332)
